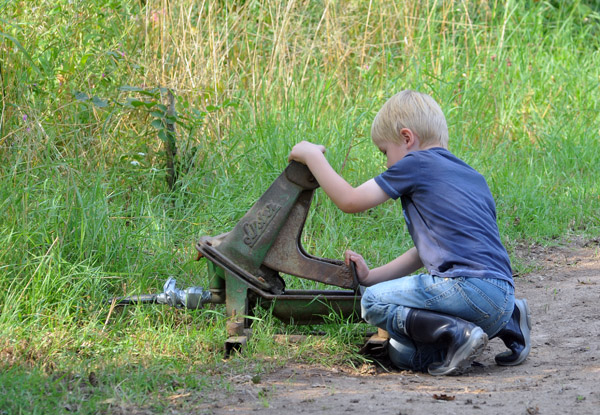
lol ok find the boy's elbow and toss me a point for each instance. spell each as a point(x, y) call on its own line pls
point(351, 201)
point(359, 199)
point(350, 207)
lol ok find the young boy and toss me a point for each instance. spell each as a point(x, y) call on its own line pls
point(438, 321)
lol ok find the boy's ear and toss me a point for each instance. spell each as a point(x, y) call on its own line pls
point(407, 135)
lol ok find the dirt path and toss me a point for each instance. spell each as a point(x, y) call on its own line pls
point(561, 375)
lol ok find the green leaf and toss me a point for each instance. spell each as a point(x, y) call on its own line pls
point(158, 124)
point(114, 54)
point(198, 114)
point(228, 103)
point(127, 88)
point(136, 103)
point(81, 96)
point(100, 103)
point(85, 58)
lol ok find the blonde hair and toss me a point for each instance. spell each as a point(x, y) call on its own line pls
point(415, 111)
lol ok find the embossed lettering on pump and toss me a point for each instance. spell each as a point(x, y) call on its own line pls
point(254, 229)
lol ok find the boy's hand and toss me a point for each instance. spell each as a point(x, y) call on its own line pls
point(305, 150)
point(362, 270)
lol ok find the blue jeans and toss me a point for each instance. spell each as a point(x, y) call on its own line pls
point(487, 302)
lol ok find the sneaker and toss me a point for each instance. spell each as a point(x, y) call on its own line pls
point(516, 335)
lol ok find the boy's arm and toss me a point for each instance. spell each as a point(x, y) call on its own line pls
point(405, 264)
point(349, 199)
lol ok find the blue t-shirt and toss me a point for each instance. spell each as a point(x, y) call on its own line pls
point(450, 214)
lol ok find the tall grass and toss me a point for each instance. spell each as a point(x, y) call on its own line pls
point(87, 213)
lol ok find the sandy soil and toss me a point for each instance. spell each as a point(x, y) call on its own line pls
point(560, 376)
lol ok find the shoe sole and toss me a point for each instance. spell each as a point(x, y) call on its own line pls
point(525, 326)
point(465, 355)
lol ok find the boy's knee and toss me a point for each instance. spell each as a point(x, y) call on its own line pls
point(367, 299)
point(373, 311)
point(365, 303)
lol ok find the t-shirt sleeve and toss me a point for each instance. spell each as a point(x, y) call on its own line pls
point(400, 178)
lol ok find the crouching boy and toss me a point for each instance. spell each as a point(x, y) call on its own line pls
point(438, 321)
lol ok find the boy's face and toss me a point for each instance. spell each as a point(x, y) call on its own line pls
point(408, 141)
point(394, 152)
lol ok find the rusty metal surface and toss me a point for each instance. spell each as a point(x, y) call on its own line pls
point(267, 239)
point(287, 254)
point(251, 238)
point(299, 174)
point(205, 247)
point(244, 264)
point(314, 308)
point(293, 306)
